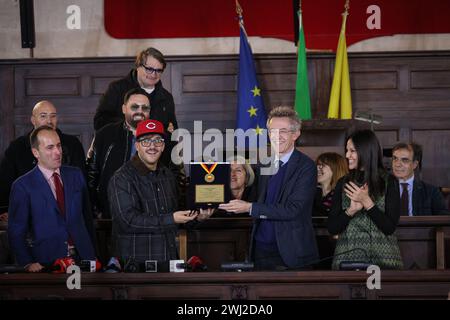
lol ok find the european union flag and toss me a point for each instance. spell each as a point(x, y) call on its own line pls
point(251, 113)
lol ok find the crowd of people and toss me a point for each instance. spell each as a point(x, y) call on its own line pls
point(51, 192)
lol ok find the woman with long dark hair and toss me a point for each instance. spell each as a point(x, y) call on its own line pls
point(366, 207)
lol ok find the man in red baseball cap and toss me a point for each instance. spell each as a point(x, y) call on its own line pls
point(143, 200)
point(150, 142)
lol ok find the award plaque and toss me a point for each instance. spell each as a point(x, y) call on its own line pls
point(209, 184)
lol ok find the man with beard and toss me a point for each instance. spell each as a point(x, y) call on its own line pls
point(144, 204)
point(149, 67)
point(114, 145)
point(19, 159)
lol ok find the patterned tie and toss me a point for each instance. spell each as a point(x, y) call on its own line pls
point(59, 193)
point(404, 200)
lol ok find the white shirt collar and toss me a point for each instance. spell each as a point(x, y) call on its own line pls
point(285, 158)
point(408, 181)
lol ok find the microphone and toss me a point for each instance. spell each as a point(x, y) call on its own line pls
point(11, 268)
point(344, 265)
point(60, 265)
point(196, 264)
point(177, 266)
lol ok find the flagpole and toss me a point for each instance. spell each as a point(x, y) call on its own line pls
point(344, 14)
point(340, 96)
point(239, 12)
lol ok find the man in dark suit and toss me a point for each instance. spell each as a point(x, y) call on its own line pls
point(283, 236)
point(49, 216)
point(417, 198)
point(19, 159)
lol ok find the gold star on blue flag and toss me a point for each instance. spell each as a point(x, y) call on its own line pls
point(251, 113)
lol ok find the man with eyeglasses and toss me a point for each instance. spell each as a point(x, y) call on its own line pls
point(19, 159)
point(149, 66)
point(283, 236)
point(113, 146)
point(417, 198)
point(143, 198)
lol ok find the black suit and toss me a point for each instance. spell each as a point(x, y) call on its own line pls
point(427, 200)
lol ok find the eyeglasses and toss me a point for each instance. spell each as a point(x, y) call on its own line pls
point(146, 142)
point(151, 70)
point(403, 160)
point(144, 108)
point(280, 131)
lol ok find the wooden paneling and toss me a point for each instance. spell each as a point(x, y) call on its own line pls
point(53, 87)
point(377, 80)
point(430, 79)
point(410, 91)
point(436, 155)
point(429, 284)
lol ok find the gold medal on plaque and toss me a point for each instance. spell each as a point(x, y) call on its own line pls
point(209, 177)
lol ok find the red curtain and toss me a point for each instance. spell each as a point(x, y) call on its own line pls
point(131, 19)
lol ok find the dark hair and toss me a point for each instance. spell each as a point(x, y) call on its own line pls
point(132, 92)
point(413, 147)
point(34, 141)
point(337, 164)
point(149, 52)
point(417, 151)
point(370, 168)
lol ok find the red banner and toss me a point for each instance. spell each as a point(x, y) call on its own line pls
point(322, 19)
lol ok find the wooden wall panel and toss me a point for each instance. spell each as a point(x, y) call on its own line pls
point(430, 79)
point(410, 91)
point(436, 155)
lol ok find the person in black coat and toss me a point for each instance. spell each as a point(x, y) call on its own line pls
point(149, 66)
point(114, 145)
point(19, 159)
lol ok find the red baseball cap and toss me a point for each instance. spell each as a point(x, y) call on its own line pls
point(149, 127)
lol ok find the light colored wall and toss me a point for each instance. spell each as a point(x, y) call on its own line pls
point(55, 40)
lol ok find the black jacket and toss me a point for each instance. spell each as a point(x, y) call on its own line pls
point(19, 159)
point(111, 149)
point(427, 199)
point(109, 109)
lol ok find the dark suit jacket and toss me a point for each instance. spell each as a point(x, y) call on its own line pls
point(34, 213)
point(291, 215)
point(427, 199)
point(19, 159)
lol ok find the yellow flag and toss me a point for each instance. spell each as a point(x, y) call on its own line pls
point(340, 98)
